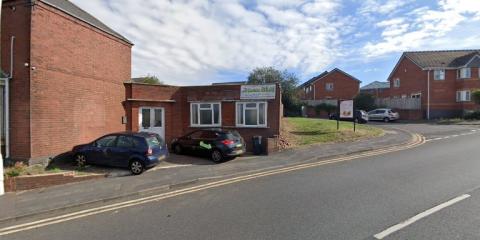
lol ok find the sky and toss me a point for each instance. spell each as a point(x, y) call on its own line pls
point(198, 42)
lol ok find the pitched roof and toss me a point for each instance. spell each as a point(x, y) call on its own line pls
point(376, 85)
point(325, 74)
point(73, 10)
point(442, 59)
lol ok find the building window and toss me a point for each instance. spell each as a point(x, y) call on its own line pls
point(396, 82)
point(252, 114)
point(464, 73)
point(463, 96)
point(416, 95)
point(205, 114)
point(329, 86)
point(439, 74)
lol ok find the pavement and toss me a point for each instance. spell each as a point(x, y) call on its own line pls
point(176, 172)
point(410, 190)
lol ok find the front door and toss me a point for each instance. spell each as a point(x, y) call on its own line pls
point(152, 120)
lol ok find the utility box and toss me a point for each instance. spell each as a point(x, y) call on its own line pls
point(257, 145)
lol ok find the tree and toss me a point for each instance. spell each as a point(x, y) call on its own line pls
point(288, 83)
point(364, 101)
point(476, 96)
point(151, 79)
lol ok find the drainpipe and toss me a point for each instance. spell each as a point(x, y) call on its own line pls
point(428, 94)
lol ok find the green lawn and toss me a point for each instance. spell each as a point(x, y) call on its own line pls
point(304, 131)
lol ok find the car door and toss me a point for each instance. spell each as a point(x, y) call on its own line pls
point(190, 141)
point(372, 115)
point(102, 149)
point(121, 152)
point(206, 142)
point(194, 141)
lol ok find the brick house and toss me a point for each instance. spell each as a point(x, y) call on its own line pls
point(173, 111)
point(333, 85)
point(328, 87)
point(377, 89)
point(443, 80)
point(66, 86)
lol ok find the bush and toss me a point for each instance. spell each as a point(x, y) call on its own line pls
point(325, 107)
point(476, 96)
point(475, 115)
point(16, 170)
point(364, 101)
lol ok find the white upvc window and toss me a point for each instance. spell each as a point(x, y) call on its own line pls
point(396, 82)
point(251, 114)
point(439, 74)
point(329, 86)
point(463, 96)
point(464, 73)
point(416, 95)
point(205, 114)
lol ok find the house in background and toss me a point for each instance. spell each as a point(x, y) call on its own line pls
point(377, 89)
point(441, 80)
point(328, 88)
point(66, 83)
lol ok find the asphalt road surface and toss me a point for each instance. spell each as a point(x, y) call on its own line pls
point(433, 188)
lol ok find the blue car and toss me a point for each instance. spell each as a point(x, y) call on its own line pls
point(135, 151)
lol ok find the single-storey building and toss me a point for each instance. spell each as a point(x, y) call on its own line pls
point(173, 111)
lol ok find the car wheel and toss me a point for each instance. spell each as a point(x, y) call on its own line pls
point(136, 167)
point(81, 160)
point(177, 149)
point(217, 156)
point(386, 119)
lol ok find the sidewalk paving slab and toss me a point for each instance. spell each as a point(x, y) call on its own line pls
point(42, 201)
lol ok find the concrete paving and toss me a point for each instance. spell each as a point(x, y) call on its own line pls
point(177, 171)
point(348, 200)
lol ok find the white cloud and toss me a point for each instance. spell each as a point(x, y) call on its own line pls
point(382, 6)
point(191, 42)
point(425, 28)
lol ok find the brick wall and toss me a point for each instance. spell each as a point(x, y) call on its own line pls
point(16, 22)
point(177, 114)
point(344, 87)
point(76, 90)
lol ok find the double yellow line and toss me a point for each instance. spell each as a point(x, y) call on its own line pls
point(416, 141)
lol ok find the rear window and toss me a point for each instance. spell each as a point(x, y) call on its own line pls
point(231, 135)
point(153, 141)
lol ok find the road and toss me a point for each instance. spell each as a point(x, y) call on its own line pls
point(358, 199)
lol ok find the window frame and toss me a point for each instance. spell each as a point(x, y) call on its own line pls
point(459, 73)
point(243, 125)
point(329, 89)
point(416, 95)
point(463, 93)
point(395, 82)
point(442, 74)
point(199, 124)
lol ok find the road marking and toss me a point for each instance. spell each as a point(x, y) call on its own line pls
point(451, 136)
point(417, 140)
point(419, 216)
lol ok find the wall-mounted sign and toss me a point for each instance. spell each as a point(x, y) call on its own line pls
point(258, 91)
point(346, 109)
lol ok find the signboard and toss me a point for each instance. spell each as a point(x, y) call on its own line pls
point(258, 91)
point(346, 109)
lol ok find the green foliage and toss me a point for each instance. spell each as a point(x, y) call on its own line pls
point(17, 170)
point(476, 96)
point(288, 83)
point(151, 79)
point(364, 101)
point(325, 107)
point(475, 115)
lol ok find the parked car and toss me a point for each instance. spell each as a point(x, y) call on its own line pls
point(360, 116)
point(135, 151)
point(218, 144)
point(383, 114)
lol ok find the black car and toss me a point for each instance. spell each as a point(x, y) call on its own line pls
point(359, 117)
point(137, 151)
point(218, 144)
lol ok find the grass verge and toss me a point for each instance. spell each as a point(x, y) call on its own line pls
point(305, 131)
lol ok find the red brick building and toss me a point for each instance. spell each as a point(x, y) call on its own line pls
point(66, 86)
point(174, 111)
point(443, 80)
point(333, 85)
point(377, 89)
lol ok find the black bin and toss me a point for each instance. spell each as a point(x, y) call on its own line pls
point(257, 145)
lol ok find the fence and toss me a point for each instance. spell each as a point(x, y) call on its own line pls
point(314, 103)
point(400, 103)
